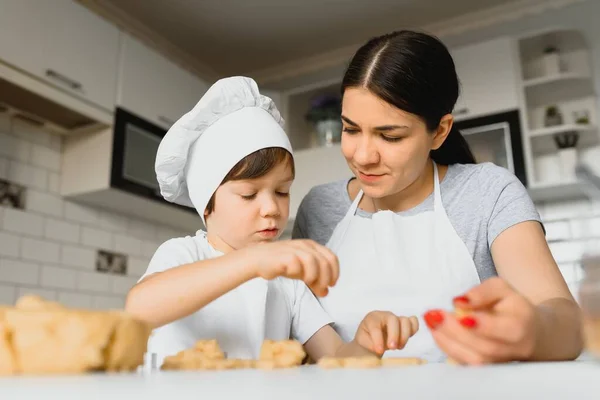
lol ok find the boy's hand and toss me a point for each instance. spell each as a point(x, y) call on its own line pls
point(305, 260)
point(381, 330)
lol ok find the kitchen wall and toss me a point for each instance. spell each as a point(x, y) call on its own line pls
point(572, 226)
point(49, 248)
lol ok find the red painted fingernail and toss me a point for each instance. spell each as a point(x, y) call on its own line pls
point(461, 299)
point(468, 322)
point(433, 318)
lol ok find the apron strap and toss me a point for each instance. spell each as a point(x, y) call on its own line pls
point(355, 203)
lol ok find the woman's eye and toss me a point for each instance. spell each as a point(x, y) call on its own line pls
point(391, 138)
point(249, 196)
point(350, 130)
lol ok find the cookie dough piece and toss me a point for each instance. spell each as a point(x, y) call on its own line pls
point(188, 361)
point(331, 362)
point(205, 355)
point(234, 364)
point(401, 361)
point(283, 354)
point(362, 362)
point(209, 349)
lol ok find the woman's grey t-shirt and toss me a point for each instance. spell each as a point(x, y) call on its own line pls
point(481, 201)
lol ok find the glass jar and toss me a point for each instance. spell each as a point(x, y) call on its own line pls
point(589, 297)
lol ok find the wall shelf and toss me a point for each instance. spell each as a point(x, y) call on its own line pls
point(554, 79)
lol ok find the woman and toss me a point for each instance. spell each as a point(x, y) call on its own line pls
point(421, 228)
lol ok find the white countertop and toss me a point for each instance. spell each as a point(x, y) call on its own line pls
point(567, 380)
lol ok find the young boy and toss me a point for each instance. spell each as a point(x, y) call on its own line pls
point(230, 159)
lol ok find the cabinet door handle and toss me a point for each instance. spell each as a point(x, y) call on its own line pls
point(165, 120)
point(461, 111)
point(65, 80)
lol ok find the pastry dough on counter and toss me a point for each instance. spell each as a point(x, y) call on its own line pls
point(207, 355)
point(41, 337)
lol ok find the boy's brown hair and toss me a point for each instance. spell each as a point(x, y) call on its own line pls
point(253, 166)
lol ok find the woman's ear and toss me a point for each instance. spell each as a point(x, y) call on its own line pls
point(442, 131)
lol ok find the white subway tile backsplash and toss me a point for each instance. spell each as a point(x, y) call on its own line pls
point(136, 267)
point(50, 248)
point(14, 271)
point(149, 248)
point(128, 245)
point(27, 175)
point(570, 272)
point(122, 284)
point(53, 182)
point(96, 238)
point(34, 291)
point(56, 277)
point(566, 209)
point(113, 222)
point(40, 250)
point(14, 148)
point(23, 222)
point(30, 132)
point(4, 168)
point(109, 302)
point(142, 229)
point(94, 282)
point(62, 231)
point(10, 245)
point(44, 203)
point(80, 213)
point(76, 300)
point(165, 234)
point(8, 295)
point(559, 230)
point(567, 252)
point(79, 257)
point(45, 157)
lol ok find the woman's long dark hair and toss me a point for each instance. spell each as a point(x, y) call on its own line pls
point(414, 72)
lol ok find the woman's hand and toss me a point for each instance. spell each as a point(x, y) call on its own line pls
point(305, 260)
point(381, 330)
point(497, 325)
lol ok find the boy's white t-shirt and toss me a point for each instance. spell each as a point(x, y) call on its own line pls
point(290, 309)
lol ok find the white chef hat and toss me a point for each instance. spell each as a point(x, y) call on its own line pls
point(231, 121)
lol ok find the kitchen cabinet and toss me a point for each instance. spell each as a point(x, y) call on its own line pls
point(154, 88)
point(314, 167)
point(64, 45)
point(488, 78)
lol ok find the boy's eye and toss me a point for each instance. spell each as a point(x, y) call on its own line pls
point(283, 194)
point(248, 196)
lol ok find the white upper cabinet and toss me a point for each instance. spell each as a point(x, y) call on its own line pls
point(64, 44)
point(153, 87)
point(488, 78)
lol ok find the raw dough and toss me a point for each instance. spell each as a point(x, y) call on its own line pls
point(207, 355)
point(47, 338)
point(366, 362)
point(398, 361)
point(281, 354)
point(362, 362)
